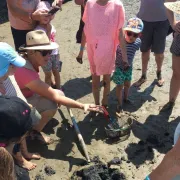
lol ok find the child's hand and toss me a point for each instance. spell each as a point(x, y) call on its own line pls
point(2, 89)
point(126, 66)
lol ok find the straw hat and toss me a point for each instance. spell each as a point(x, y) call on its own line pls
point(38, 40)
point(173, 6)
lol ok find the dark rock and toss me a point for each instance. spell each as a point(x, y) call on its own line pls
point(49, 170)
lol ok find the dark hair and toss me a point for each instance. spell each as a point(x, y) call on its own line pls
point(6, 165)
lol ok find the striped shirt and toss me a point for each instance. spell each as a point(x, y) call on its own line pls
point(12, 88)
point(131, 50)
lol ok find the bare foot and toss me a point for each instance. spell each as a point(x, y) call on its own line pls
point(42, 137)
point(21, 161)
point(160, 82)
point(30, 156)
point(119, 110)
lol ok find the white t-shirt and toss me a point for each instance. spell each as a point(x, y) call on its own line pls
point(52, 36)
point(12, 88)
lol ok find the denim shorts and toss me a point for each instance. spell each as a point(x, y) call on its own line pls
point(154, 36)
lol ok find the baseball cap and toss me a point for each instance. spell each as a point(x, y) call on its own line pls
point(9, 56)
point(15, 117)
point(135, 25)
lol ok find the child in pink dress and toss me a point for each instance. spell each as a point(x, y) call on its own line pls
point(103, 20)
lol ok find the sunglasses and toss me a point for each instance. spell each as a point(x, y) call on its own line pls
point(135, 35)
point(45, 52)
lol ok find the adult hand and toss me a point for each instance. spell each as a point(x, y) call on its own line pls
point(39, 15)
point(92, 107)
point(57, 3)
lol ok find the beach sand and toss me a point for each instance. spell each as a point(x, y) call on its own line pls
point(152, 131)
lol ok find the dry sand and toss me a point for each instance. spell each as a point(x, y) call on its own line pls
point(152, 132)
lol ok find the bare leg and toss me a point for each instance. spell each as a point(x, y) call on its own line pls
point(127, 85)
point(175, 80)
point(23, 162)
point(95, 88)
point(159, 61)
point(57, 78)
point(46, 116)
point(119, 89)
point(106, 83)
point(48, 78)
point(25, 152)
point(145, 59)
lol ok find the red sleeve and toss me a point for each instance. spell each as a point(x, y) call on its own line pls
point(24, 76)
point(121, 16)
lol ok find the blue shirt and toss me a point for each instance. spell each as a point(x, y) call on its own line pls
point(131, 50)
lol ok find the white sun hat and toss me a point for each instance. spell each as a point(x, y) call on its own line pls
point(38, 40)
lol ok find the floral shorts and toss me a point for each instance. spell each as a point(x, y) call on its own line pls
point(120, 76)
point(53, 64)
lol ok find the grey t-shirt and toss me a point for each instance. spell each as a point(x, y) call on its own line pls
point(152, 10)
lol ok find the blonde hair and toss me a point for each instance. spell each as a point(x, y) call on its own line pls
point(6, 165)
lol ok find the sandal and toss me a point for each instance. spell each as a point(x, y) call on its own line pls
point(160, 81)
point(79, 60)
point(140, 81)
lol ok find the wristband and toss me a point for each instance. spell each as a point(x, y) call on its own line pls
point(82, 48)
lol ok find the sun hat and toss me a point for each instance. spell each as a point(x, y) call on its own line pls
point(9, 56)
point(38, 40)
point(135, 25)
point(15, 117)
point(173, 6)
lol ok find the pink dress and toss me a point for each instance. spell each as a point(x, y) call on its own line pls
point(102, 25)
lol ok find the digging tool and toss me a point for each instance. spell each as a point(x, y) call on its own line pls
point(82, 143)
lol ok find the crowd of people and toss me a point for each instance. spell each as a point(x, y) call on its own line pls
point(30, 102)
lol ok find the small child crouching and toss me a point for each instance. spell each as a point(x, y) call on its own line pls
point(123, 73)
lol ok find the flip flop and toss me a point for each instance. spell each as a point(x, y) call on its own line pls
point(79, 60)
